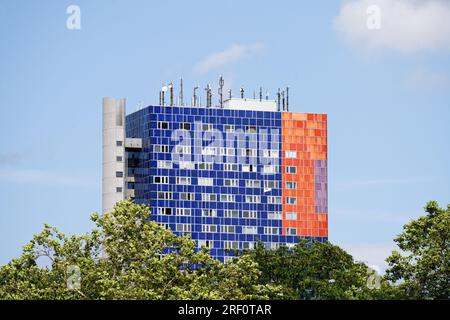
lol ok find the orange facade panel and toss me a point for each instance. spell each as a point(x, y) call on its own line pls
point(305, 133)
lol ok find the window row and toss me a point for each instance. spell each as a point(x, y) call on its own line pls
point(163, 125)
point(212, 197)
point(212, 228)
point(228, 213)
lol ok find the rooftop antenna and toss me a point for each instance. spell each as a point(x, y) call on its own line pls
point(287, 98)
point(195, 96)
point(278, 99)
point(181, 102)
point(221, 84)
point(171, 93)
point(229, 94)
point(163, 94)
point(242, 93)
point(160, 97)
point(267, 95)
point(208, 96)
point(260, 93)
point(284, 100)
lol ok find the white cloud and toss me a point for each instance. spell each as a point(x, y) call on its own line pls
point(38, 177)
point(429, 79)
point(406, 26)
point(373, 254)
point(231, 54)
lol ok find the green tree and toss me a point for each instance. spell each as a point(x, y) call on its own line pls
point(315, 270)
point(422, 270)
point(126, 256)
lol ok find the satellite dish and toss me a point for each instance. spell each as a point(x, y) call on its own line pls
point(164, 89)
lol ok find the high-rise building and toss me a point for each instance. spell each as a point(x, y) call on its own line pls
point(247, 170)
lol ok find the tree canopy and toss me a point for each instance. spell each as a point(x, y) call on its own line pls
point(315, 270)
point(129, 256)
point(422, 268)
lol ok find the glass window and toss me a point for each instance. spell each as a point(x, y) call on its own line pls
point(271, 230)
point(227, 197)
point(164, 164)
point(183, 180)
point(231, 182)
point(165, 195)
point(291, 154)
point(231, 214)
point(291, 185)
point(207, 126)
point(187, 196)
point(164, 211)
point(249, 230)
point(209, 228)
point(291, 215)
point(291, 231)
point(291, 200)
point(183, 227)
point(248, 168)
point(248, 245)
point(269, 184)
point(229, 128)
point(274, 216)
point(205, 181)
point(183, 212)
point(185, 126)
point(210, 197)
point(291, 169)
point(209, 244)
point(209, 212)
point(163, 125)
point(228, 229)
point(252, 184)
point(161, 179)
point(230, 245)
point(247, 214)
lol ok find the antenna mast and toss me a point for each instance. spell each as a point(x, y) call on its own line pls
point(221, 84)
point(181, 93)
point(278, 99)
point(171, 93)
point(208, 96)
point(163, 94)
point(195, 96)
point(287, 98)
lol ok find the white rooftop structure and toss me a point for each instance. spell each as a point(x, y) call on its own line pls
point(250, 104)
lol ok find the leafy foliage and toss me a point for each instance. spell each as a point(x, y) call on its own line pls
point(127, 256)
point(315, 270)
point(422, 270)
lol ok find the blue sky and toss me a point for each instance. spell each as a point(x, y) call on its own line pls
point(386, 91)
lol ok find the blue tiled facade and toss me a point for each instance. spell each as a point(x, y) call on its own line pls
point(155, 125)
